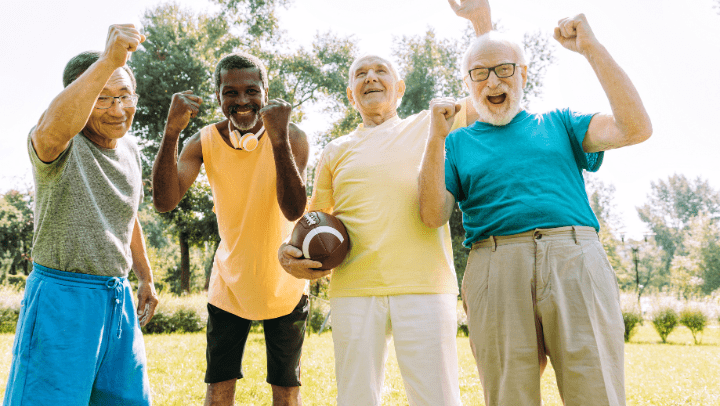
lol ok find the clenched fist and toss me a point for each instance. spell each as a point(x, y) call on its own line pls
point(185, 105)
point(122, 40)
point(575, 34)
point(442, 115)
point(276, 118)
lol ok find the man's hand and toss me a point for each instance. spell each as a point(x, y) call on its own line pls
point(122, 40)
point(147, 302)
point(442, 112)
point(575, 34)
point(469, 9)
point(185, 105)
point(290, 259)
point(276, 118)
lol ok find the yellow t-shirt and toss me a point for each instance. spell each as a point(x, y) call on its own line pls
point(369, 178)
point(247, 279)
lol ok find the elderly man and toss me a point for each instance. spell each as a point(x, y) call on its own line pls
point(398, 279)
point(255, 162)
point(537, 282)
point(78, 339)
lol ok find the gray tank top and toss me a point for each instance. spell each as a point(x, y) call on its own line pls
point(86, 202)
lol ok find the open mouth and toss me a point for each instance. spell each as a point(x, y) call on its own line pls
point(243, 111)
point(497, 99)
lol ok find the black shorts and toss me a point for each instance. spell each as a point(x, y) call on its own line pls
point(284, 336)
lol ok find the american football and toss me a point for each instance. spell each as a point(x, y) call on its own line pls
point(321, 237)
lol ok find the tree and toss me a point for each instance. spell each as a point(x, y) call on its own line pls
point(671, 207)
point(16, 230)
point(601, 198)
point(698, 269)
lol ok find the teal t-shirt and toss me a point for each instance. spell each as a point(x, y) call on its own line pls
point(521, 176)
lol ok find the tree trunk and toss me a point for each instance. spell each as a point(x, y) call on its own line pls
point(184, 263)
point(209, 266)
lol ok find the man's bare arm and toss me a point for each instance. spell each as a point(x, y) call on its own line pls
point(171, 176)
point(436, 203)
point(147, 298)
point(629, 124)
point(70, 110)
point(477, 11)
point(290, 150)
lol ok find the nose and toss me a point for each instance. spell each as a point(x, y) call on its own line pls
point(371, 76)
point(493, 80)
point(116, 109)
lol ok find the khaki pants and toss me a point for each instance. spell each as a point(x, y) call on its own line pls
point(545, 293)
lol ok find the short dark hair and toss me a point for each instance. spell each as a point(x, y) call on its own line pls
point(81, 62)
point(240, 60)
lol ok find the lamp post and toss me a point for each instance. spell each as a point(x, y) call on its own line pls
point(635, 249)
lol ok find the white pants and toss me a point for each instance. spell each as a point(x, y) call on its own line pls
point(424, 328)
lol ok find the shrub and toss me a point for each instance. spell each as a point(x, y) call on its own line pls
point(462, 327)
point(632, 319)
point(10, 298)
point(178, 314)
point(319, 309)
point(8, 320)
point(695, 320)
point(665, 320)
point(17, 281)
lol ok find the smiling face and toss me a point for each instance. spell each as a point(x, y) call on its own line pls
point(241, 95)
point(374, 87)
point(106, 126)
point(497, 100)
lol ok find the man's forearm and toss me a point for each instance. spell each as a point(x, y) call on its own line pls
point(431, 183)
point(627, 107)
point(290, 187)
point(165, 180)
point(69, 111)
point(141, 263)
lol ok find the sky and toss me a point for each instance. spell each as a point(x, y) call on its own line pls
point(669, 49)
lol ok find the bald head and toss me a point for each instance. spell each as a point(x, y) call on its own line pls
point(491, 42)
point(366, 58)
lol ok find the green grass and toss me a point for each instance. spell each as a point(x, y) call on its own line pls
point(677, 373)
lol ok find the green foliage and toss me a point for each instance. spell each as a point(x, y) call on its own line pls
point(10, 299)
point(665, 319)
point(181, 314)
point(695, 320)
point(672, 205)
point(8, 320)
point(319, 310)
point(16, 230)
point(632, 319)
point(462, 326)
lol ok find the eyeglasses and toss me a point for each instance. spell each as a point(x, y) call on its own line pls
point(127, 101)
point(504, 70)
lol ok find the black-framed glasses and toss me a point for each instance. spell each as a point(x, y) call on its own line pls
point(504, 70)
point(127, 101)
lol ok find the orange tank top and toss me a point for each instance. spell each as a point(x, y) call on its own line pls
point(247, 279)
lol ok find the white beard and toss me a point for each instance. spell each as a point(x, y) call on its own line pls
point(509, 111)
point(245, 125)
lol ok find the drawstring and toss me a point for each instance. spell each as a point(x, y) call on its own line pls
point(114, 283)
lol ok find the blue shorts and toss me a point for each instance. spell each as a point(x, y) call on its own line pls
point(77, 342)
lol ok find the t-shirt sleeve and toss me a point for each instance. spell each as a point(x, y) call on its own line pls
point(47, 171)
point(577, 125)
point(452, 179)
point(322, 196)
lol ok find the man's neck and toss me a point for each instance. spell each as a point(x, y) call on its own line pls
point(374, 119)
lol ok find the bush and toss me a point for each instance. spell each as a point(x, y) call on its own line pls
point(17, 281)
point(180, 321)
point(462, 327)
point(665, 320)
point(8, 320)
point(319, 309)
point(695, 320)
point(632, 319)
point(10, 298)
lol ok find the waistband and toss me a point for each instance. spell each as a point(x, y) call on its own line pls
point(109, 282)
point(575, 233)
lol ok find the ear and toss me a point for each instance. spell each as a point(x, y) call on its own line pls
point(350, 97)
point(267, 95)
point(217, 97)
point(523, 71)
point(400, 86)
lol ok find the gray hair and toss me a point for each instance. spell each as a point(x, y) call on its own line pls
point(364, 56)
point(490, 37)
point(81, 62)
point(240, 60)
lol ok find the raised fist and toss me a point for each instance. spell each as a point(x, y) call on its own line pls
point(276, 118)
point(122, 39)
point(442, 115)
point(184, 106)
point(575, 34)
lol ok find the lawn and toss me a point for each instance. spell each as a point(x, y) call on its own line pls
point(677, 373)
